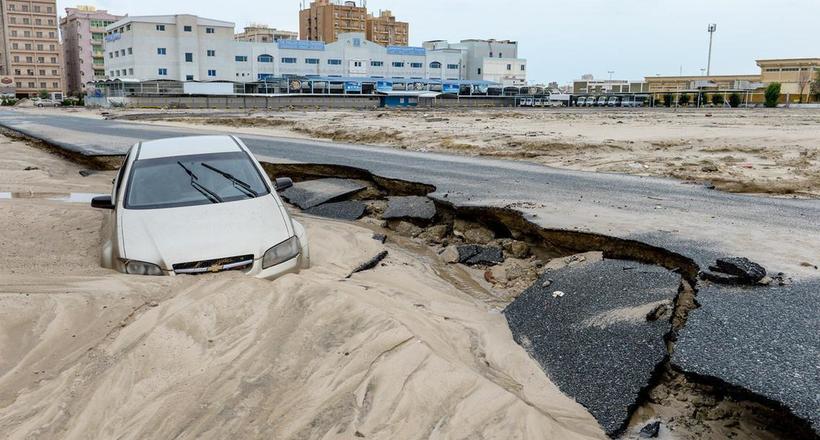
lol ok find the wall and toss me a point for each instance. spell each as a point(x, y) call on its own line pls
point(278, 102)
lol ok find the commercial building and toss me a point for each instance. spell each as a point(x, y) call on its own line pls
point(170, 47)
point(385, 30)
point(83, 32)
point(794, 74)
point(259, 33)
point(30, 54)
point(487, 60)
point(588, 84)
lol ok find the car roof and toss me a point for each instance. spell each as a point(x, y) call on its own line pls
point(184, 146)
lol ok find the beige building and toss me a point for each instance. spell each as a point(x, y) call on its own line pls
point(260, 33)
point(324, 20)
point(30, 47)
point(385, 30)
point(83, 32)
point(795, 74)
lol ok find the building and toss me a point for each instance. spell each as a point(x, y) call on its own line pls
point(30, 54)
point(324, 20)
point(83, 32)
point(385, 30)
point(795, 74)
point(260, 33)
point(487, 60)
point(588, 84)
point(170, 47)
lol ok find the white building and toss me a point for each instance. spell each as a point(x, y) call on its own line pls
point(188, 48)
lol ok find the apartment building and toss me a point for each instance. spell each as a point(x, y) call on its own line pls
point(83, 32)
point(30, 54)
point(259, 33)
point(384, 29)
point(487, 60)
point(174, 47)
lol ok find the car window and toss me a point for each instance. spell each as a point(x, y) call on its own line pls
point(170, 182)
point(119, 178)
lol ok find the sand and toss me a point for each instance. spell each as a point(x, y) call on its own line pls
point(393, 352)
point(757, 151)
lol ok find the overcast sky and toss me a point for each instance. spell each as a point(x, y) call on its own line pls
point(564, 39)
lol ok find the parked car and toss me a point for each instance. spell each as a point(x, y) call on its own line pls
point(47, 103)
point(628, 101)
point(601, 101)
point(581, 101)
point(613, 101)
point(198, 204)
point(590, 101)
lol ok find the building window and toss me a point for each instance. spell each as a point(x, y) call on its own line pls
point(311, 60)
point(334, 62)
point(435, 65)
point(265, 58)
point(189, 57)
point(189, 77)
point(130, 51)
point(491, 54)
point(122, 52)
point(523, 67)
point(161, 27)
point(509, 66)
point(479, 70)
point(376, 63)
point(209, 30)
point(187, 28)
point(211, 53)
point(130, 70)
point(500, 55)
point(416, 65)
point(162, 71)
point(212, 73)
point(241, 59)
point(398, 64)
point(161, 51)
point(452, 66)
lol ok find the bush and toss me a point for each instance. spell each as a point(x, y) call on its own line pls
point(667, 100)
point(717, 99)
point(683, 99)
point(8, 101)
point(43, 94)
point(734, 100)
point(772, 94)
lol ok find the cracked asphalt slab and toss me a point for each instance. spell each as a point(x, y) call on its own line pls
point(415, 207)
point(347, 210)
point(593, 338)
point(313, 193)
point(761, 339)
point(689, 220)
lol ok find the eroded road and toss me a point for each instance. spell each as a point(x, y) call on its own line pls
point(722, 339)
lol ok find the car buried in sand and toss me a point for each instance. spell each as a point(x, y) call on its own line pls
point(198, 204)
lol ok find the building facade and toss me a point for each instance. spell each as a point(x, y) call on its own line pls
point(324, 20)
point(487, 60)
point(173, 47)
point(30, 54)
point(795, 74)
point(263, 34)
point(384, 29)
point(588, 84)
point(83, 32)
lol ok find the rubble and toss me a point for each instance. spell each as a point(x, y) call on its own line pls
point(409, 207)
point(369, 264)
point(316, 192)
point(472, 254)
point(347, 210)
point(735, 270)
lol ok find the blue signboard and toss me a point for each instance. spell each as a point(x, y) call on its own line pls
point(384, 86)
point(450, 88)
point(353, 86)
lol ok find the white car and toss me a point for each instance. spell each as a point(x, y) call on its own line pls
point(198, 204)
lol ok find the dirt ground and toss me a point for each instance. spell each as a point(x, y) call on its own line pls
point(393, 352)
point(757, 151)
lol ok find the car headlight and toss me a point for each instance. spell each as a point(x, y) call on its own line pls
point(282, 252)
point(134, 267)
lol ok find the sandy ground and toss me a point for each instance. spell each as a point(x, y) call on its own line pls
point(394, 352)
point(752, 151)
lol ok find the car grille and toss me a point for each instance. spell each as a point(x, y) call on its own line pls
point(217, 265)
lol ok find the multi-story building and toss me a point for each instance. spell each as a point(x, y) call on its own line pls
point(794, 74)
point(30, 51)
point(324, 20)
point(174, 47)
point(385, 30)
point(259, 33)
point(488, 60)
point(83, 32)
point(588, 84)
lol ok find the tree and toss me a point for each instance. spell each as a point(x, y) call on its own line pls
point(815, 87)
point(803, 80)
point(772, 94)
point(717, 99)
point(683, 99)
point(668, 99)
point(43, 94)
point(734, 100)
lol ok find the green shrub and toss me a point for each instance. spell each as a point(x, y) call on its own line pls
point(717, 99)
point(734, 100)
point(667, 99)
point(43, 94)
point(683, 99)
point(772, 94)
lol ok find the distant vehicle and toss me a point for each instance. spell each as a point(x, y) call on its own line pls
point(590, 101)
point(601, 101)
point(47, 103)
point(195, 205)
point(581, 101)
point(613, 101)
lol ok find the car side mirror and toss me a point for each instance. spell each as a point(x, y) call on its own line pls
point(102, 202)
point(283, 183)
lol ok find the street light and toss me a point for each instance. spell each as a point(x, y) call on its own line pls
point(711, 29)
point(610, 72)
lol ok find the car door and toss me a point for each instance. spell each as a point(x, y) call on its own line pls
point(111, 238)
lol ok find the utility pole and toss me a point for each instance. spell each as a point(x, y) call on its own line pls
point(712, 28)
point(610, 72)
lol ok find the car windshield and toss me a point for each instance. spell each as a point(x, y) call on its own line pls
point(176, 181)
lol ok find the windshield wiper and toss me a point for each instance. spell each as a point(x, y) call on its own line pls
point(210, 195)
point(237, 183)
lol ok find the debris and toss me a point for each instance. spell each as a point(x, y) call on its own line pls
point(517, 249)
point(741, 267)
point(473, 232)
point(558, 294)
point(435, 234)
point(30, 168)
point(658, 312)
point(414, 207)
point(316, 192)
point(471, 254)
point(347, 210)
point(381, 238)
point(546, 283)
point(709, 168)
point(86, 173)
point(404, 228)
point(651, 430)
point(369, 264)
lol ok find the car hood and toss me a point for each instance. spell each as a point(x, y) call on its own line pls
point(203, 232)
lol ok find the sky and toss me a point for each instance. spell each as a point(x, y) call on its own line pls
point(563, 40)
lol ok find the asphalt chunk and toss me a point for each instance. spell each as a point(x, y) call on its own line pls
point(471, 254)
point(347, 210)
point(369, 264)
point(765, 340)
point(312, 193)
point(588, 329)
point(412, 207)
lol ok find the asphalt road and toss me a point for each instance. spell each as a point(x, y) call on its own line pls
point(693, 221)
